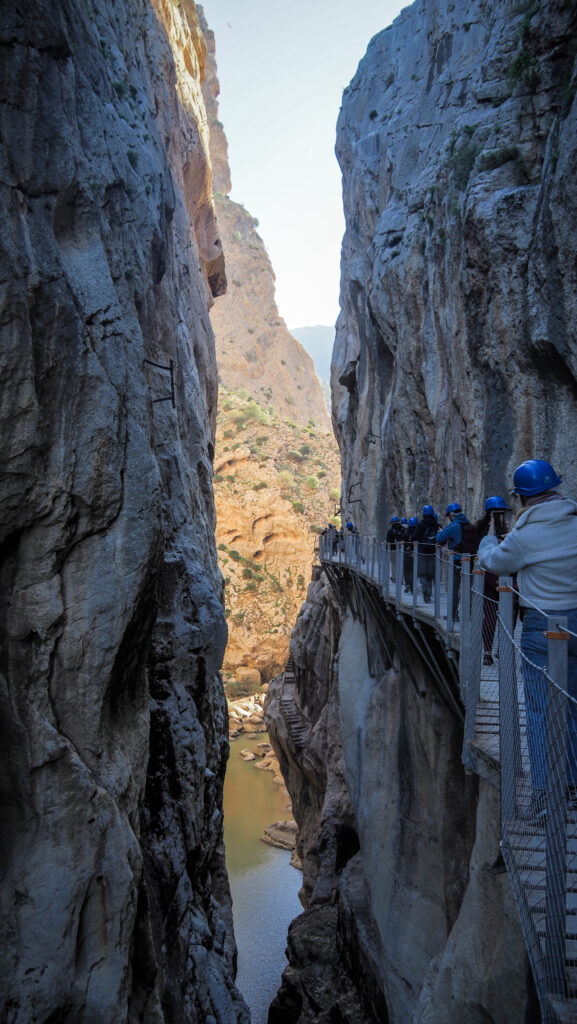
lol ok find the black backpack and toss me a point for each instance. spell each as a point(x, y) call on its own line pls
point(430, 533)
point(468, 542)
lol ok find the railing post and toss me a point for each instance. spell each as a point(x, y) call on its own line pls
point(387, 569)
point(465, 609)
point(450, 588)
point(473, 663)
point(556, 827)
point(404, 546)
point(415, 575)
point(399, 572)
point(467, 561)
point(509, 728)
point(437, 557)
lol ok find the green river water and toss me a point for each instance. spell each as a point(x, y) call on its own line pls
point(264, 886)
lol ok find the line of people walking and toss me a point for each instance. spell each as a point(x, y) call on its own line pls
point(539, 550)
point(460, 536)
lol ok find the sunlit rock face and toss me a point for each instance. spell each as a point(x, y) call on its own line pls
point(255, 350)
point(456, 355)
point(115, 902)
point(455, 359)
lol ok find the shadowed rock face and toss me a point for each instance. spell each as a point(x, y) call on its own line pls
point(397, 842)
point(456, 342)
point(112, 717)
point(455, 360)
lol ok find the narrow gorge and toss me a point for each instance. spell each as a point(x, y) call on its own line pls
point(168, 464)
point(455, 359)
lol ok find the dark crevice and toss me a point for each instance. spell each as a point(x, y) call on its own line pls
point(347, 846)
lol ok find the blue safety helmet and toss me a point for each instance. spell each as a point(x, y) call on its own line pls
point(534, 477)
point(404, 520)
point(394, 519)
point(428, 510)
point(496, 503)
point(453, 507)
point(349, 525)
point(413, 521)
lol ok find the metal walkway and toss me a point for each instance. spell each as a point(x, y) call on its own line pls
point(481, 637)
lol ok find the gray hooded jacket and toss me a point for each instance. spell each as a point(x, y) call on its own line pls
point(542, 550)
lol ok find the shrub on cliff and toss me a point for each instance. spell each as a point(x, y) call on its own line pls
point(493, 158)
point(524, 68)
point(462, 156)
point(286, 479)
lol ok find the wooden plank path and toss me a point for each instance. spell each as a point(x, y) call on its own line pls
point(295, 721)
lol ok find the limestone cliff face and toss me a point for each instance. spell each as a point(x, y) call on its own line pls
point(112, 713)
point(255, 350)
point(275, 488)
point(456, 343)
point(406, 917)
point(455, 359)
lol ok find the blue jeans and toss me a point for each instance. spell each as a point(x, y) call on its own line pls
point(534, 646)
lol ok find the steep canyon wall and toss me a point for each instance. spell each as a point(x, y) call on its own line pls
point(456, 344)
point(115, 903)
point(455, 359)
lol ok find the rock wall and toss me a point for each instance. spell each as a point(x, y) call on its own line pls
point(456, 343)
point(455, 359)
point(408, 914)
point(274, 488)
point(115, 902)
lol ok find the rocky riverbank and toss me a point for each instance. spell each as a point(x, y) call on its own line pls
point(246, 715)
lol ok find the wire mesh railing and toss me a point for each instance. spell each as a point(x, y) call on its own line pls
point(518, 686)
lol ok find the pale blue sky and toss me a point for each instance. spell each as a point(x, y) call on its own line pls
point(282, 69)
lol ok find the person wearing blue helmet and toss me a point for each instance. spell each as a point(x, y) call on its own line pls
point(394, 535)
point(495, 508)
point(541, 550)
point(459, 536)
point(408, 554)
point(424, 537)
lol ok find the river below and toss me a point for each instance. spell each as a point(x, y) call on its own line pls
point(263, 884)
